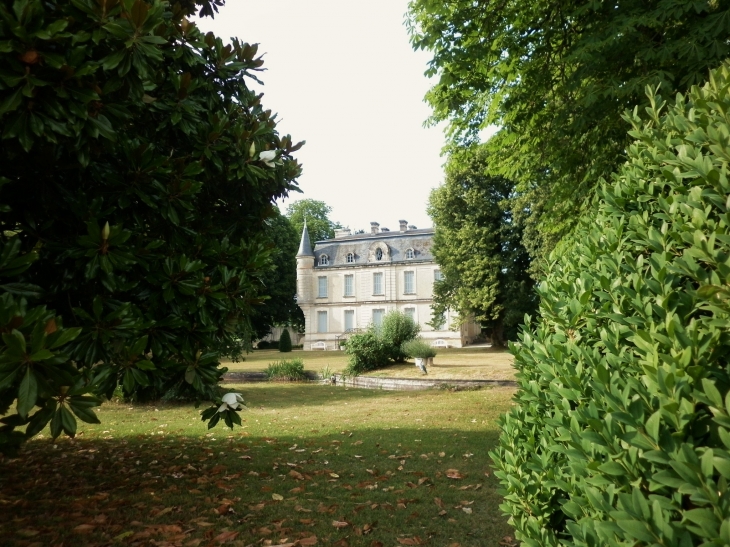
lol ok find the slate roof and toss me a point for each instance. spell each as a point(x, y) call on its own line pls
point(305, 247)
point(360, 244)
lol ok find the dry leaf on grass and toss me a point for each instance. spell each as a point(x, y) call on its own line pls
point(454, 474)
point(277, 497)
point(340, 524)
point(84, 528)
point(305, 542)
point(415, 540)
point(225, 537)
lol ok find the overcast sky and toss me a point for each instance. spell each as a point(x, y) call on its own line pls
point(342, 75)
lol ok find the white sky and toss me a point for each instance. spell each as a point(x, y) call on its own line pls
point(342, 75)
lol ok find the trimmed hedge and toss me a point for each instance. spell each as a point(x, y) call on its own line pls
point(621, 430)
point(285, 342)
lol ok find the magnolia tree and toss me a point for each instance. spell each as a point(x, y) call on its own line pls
point(137, 173)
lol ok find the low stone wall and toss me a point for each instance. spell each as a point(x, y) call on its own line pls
point(415, 384)
point(371, 382)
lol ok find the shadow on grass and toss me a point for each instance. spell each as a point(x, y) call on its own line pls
point(177, 490)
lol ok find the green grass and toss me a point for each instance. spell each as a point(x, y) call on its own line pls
point(351, 467)
point(450, 363)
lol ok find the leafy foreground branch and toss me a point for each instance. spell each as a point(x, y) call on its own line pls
point(137, 173)
point(621, 434)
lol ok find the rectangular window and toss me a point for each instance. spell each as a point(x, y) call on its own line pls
point(322, 287)
point(411, 313)
point(409, 284)
point(437, 275)
point(321, 321)
point(349, 319)
point(378, 283)
point(349, 285)
point(378, 317)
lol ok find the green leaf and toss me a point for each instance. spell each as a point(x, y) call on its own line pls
point(66, 336)
point(27, 393)
point(68, 422)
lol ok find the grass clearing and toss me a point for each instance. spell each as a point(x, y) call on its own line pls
point(450, 363)
point(312, 465)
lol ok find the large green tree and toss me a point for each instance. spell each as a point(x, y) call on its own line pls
point(138, 170)
point(556, 76)
point(316, 213)
point(484, 266)
point(280, 308)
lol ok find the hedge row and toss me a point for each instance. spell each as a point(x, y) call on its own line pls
point(621, 431)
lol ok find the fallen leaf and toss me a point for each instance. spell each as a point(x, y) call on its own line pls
point(466, 510)
point(454, 474)
point(334, 475)
point(277, 497)
point(296, 475)
point(84, 528)
point(440, 503)
point(340, 524)
point(225, 537)
point(311, 540)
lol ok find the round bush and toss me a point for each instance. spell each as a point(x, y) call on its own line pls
point(620, 434)
point(396, 329)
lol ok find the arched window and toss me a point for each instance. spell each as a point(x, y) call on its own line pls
point(324, 260)
point(410, 254)
point(378, 254)
point(350, 258)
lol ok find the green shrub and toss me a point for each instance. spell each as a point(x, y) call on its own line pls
point(396, 329)
point(285, 342)
point(286, 370)
point(418, 348)
point(266, 344)
point(621, 431)
point(366, 351)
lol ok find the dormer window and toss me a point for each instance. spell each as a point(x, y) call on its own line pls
point(379, 254)
point(324, 260)
point(350, 258)
point(410, 255)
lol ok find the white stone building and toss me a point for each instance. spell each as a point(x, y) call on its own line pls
point(346, 283)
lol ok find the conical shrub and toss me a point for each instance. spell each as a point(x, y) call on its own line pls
point(285, 341)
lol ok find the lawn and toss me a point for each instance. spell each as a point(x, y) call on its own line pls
point(312, 465)
point(451, 363)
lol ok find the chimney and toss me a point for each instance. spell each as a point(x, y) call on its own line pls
point(342, 232)
point(403, 225)
point(374, 227)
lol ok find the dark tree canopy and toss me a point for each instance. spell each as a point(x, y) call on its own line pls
point(316, 214)
point(138, 170)
point(479, 248)
point(280, 282)
point(556, 76)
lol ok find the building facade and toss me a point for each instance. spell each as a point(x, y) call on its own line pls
point(349, 282)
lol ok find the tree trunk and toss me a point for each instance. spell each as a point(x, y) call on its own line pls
point(498, 334)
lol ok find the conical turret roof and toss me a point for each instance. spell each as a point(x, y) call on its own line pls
point(305, 246)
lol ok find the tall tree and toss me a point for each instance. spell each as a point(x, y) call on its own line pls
point(280, 281)
point(316, 214)
point(484, 265)
point(137, 170)
point(556, 77)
